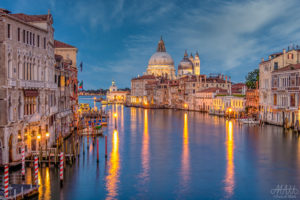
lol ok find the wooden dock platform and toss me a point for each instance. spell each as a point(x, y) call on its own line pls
point(20, 191)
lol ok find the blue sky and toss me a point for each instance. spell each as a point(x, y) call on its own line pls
point(115, 39)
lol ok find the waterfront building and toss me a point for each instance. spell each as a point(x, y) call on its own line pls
point(116, 96)
point(285, 95)
point(252, 101)
point(232, 106)
point(27, 85)
point(138, 89)
point(161, 63)
point(204, 98)
point(268, 111)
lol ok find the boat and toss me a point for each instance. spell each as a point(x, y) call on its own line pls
point(84, 107)
point(104, 102)
point(99, 99)
point(249, 121)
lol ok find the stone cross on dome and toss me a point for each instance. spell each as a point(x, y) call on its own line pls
point(161, 46)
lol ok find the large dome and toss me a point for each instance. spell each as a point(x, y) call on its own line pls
point(185, 63)
point(161, 58)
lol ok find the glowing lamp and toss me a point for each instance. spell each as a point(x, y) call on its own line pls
point(47, 134)
point(115, 114)
point(39, 137)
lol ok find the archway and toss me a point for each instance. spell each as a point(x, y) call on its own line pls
point(10, 151)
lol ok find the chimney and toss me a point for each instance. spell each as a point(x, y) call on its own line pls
point(262, 60)
point(225, 79)
point(284, 51)
point(204, 78)
point(270, 57)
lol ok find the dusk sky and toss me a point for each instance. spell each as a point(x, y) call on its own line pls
point(115, 39)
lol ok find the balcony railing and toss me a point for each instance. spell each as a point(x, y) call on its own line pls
point(31, 84)
point(11, 83)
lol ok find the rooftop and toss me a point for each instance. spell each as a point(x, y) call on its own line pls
point(59, 44)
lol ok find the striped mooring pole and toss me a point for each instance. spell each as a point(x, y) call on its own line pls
point(61, 168)
point(6, 181)
point(23, 162)
point(36, 170)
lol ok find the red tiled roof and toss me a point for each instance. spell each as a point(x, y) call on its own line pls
point(59, 44)
point(213, 90)
point(30, 18)
point(144, 77)
point(288, 68)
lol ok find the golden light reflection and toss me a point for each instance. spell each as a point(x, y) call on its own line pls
point(185, 152)
point(145, 149)
point(112, 178)
point(133, 120)
point(229, 177)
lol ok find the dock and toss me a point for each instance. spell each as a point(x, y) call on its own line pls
point(20, 191)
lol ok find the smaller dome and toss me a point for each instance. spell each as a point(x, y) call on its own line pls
point(185, 63)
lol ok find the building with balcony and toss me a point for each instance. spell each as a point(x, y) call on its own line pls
point(274, 74)
point(27, 85)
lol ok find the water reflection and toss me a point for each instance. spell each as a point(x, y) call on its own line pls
point(229, 177)
point(112, 178)
point(145, 149)
point(44, 182)
point(185, 160)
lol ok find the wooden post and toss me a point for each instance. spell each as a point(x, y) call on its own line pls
point(106, 146)
point(36, 170)
point(97, 150)
point(23, 162)
point(6, 180)
point(61, 169)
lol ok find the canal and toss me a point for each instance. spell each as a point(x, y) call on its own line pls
point(172, 154)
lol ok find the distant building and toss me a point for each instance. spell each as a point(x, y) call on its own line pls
point(116, 96)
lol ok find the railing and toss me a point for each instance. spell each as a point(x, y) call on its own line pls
point(11, 83)
point(51, 85)
point(31, 84)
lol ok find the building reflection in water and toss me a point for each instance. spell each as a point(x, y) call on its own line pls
point(229, 177)
point(112, 178)
point(44, 182)
point(185, 160)
point(145, 149)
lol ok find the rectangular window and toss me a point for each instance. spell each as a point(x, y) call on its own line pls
point(33, 39)
point(44, 43)
point(24, 36)
point(275, 99)
point(27, 37)
point(275, 65)
point(30, 38)
point(38, 41)
point(293, 104)
point(19, 34)
point(8, 30)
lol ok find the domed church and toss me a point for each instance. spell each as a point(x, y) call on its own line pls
point(189, 65)
point(161, 63)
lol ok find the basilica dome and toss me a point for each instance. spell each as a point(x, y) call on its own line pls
point(161, 63)
point(161, 58)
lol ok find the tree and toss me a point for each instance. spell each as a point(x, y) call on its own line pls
point(252, 78)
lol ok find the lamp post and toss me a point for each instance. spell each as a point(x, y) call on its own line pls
point(47, 136)
point(39, 147)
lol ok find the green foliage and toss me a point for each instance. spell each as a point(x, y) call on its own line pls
point(252, 78)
